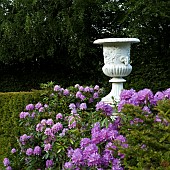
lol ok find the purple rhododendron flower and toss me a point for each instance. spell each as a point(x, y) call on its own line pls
point(64, 132)
point(159, 96)
point(29, 151)
point(116, 164)
point(13, 150)
point(113, 134)
point(143, 146)
point(84, 142)
point(57, 127)
point(127, 94)
point(68, 165)
point(167, 93)
point(134, 100)
point(158, 119)
point(125, 145)
point(24, 138)
point(6, 162)
point(110, 146)
point(93, 159)
point(49, 122)
point(71, 122)
point(90, 149)
point(106, 108)
point(39, 127)
point(38, 105)
point(70, 152)
point(96, 95)
point(91, 90)
point(49, 139)
point(23, 115)
point(106, 157)
point(8, 168)
point(121, 138)
point(72, 106)
point(77, 86)
point(81, 88)
point(33, 115)
point(104, 134)
point(121, 155)
point(59, 116)
point(29, 107)
point(47, 147)
point(145, 94)
point(41, 109)
point(43, 122)
point(91, 100)
point(46, 106)
point(49, 163)
point(66, 92)
point(83, 106)
point(74, 111)
point(57, 88)
point(96, 128)
point(77, 156)
point(48, 132)
point(87, 89)
point(146, 109)
point(96, 138)
point(96, 87)
point(78, 94)
point(100, 105)
point(82, 97)
point(37, 150)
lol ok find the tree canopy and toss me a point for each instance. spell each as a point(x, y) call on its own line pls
point(62, 32)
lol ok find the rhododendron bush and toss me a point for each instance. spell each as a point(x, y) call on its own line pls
point(73, 129)
point(146, 127)
point(69, 121)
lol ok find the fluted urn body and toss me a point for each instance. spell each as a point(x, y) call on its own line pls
point(116, 52)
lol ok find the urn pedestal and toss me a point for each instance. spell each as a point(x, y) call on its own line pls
point(116, 52)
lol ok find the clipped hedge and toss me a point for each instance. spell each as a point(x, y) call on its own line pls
point(11, 104)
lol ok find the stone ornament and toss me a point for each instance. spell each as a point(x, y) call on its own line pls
point(116, 52)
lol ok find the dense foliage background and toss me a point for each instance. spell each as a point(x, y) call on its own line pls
point(52, 40)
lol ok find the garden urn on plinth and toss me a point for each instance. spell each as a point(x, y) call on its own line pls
point(116, 52)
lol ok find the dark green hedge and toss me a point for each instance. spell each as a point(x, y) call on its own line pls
point(11, 104)
point(142, 76)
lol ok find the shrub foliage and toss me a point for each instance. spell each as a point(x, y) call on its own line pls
point(73, 129)
point(10, 105)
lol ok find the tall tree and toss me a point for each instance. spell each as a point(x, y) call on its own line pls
point(149, 20)
point(61, 33)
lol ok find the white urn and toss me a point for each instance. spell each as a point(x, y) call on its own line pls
point(116, 52)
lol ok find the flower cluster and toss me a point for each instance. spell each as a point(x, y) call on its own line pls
point(6, 163)
point(144, 98)
point(105, 108)
point(97, 151)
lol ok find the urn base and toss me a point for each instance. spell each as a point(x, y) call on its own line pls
point(114, 96)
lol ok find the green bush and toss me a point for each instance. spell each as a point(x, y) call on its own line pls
point(11, 104)
point(148, 137)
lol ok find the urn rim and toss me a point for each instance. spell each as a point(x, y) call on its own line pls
point(116, 40)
